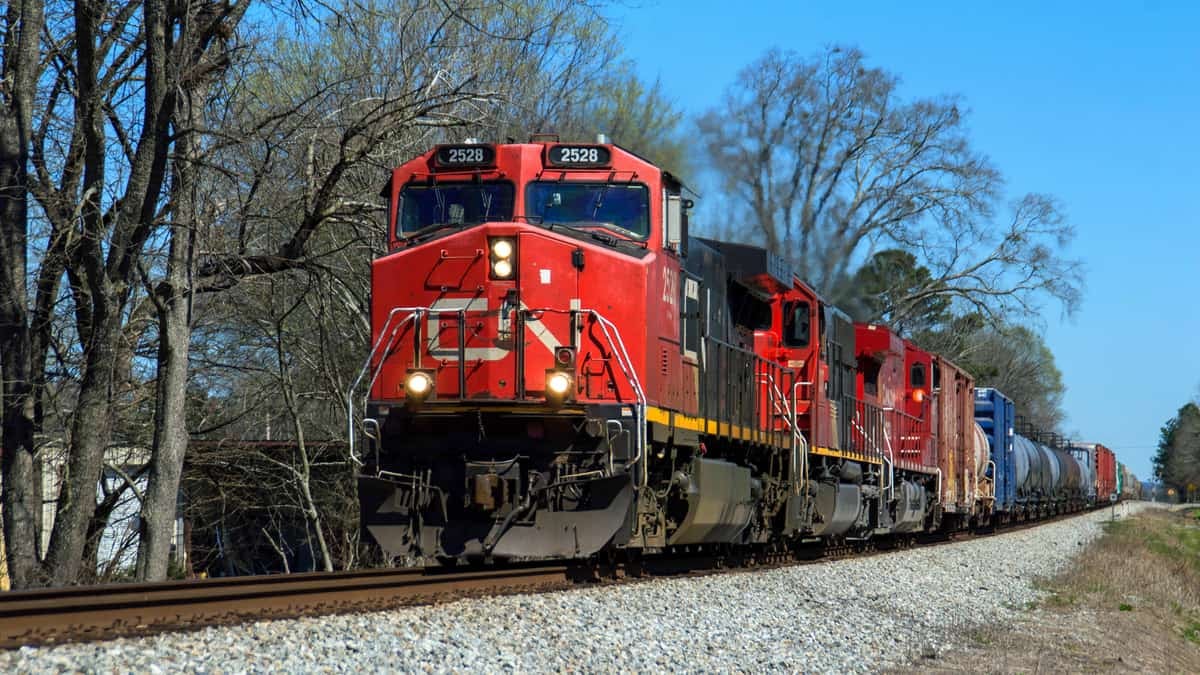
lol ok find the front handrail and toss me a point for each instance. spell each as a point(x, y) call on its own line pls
point(890, 458)
point(630, 373)
point(616, 344)
point(399, 317)
point(803, 441)
point(414, 314)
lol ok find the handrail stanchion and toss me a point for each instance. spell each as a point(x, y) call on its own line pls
point(389, 338)
point(462, 353)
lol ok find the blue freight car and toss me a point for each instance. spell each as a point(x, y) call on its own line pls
point(995, 414)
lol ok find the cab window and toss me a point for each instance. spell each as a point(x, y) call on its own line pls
point(424, 205)
point(916, 375)
point(621, 207)
point(870, 373)
point(797, 324)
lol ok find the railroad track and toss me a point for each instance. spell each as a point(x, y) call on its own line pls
point(83, 613)
point(86, 613)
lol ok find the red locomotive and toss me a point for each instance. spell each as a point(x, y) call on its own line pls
point(558, 370)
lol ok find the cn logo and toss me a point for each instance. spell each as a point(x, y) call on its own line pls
point(479, 307)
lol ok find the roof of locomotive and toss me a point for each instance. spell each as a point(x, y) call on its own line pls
point(535, 154)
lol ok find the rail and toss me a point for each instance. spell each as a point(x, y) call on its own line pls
point(96, 612)
point(87, 613)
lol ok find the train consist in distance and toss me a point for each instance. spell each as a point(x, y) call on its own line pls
point(559, 370)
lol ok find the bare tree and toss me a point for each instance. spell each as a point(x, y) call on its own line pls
point(1011, 358)
point(171, 162)
point(278, 324)
point(199, 55)
point(333, 108)
point(127, 68)
point(248, 510)
point(21, 69)
point(829, 164)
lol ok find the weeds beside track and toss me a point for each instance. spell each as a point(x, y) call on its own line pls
point(1129, 603)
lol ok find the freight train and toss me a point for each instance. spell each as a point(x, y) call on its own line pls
point(559, 369)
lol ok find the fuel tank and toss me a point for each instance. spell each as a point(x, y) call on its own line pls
point(720, 499)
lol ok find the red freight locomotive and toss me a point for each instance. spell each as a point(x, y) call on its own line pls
point(558, 370)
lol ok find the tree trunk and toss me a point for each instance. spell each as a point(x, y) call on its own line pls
point(175, 333)
point(310, 504)
point(304, 474)
point(170, 424)
point(20, 504)
point(170, 419)
point(107, 264)
point(90, 433)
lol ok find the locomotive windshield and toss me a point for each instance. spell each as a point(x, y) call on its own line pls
point(426, 206)
point(623, 208)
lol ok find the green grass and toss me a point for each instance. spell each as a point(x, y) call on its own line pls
point(1060, 599)
point(1140, 585)
point(1151, 563)
point(1191, 632)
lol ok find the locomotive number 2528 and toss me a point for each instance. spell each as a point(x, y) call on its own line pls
point(465, 156)
point(579, 155)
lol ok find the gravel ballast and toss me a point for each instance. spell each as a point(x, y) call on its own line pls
point(858, 615)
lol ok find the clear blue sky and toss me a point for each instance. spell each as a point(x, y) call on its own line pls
point(1097, 103)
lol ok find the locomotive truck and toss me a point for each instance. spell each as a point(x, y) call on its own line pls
point(560, 370)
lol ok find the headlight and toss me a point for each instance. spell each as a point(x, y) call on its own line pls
point(418, 385)
point(502, 252)
point(558, 384)
point(502, 249)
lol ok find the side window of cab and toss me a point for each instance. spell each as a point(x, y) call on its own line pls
point(797, 323)
point(916, 376)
